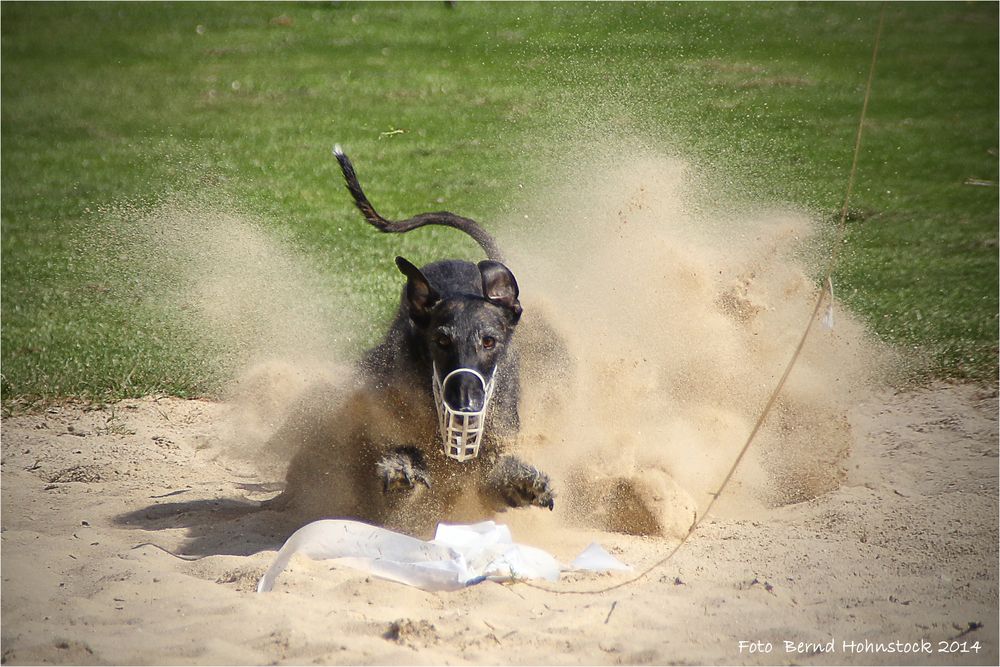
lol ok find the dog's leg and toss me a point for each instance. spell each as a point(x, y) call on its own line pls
point(514, 483)
point(402, 469)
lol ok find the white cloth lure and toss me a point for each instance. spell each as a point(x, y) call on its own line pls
point(458, 556)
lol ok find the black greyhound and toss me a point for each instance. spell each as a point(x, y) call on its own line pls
point(433, 409)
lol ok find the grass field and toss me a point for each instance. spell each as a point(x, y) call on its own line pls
point(109, 103)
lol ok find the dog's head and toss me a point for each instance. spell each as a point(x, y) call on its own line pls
point(466, 337)
point(464, 330)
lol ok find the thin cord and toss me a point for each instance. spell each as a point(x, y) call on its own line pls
point(824, 292)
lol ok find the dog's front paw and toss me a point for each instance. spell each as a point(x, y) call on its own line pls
point(521, 485)
point(402, 469)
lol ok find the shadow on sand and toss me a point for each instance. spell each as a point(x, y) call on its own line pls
point(214, 526)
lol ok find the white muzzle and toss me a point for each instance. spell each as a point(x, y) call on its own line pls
point(461, 430)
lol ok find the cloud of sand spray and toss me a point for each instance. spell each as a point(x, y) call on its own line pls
point(679, 320)
point(263, 317)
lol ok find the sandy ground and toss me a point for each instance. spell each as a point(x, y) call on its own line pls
point(904, 551)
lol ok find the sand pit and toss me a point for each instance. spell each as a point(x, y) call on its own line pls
point(861, 514)
point(905, 550)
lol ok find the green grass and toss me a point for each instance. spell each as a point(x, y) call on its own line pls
point(105, 103)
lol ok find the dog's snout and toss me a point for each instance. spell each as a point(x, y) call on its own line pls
point(465, 392)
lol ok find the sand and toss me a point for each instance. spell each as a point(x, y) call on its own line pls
point(860, 514)
point(905, 550)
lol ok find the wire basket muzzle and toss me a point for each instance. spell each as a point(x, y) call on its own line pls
point(461, 430)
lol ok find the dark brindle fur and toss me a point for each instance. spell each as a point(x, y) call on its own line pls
point(377, 456)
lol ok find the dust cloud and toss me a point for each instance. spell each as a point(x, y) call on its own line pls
point(261, 316)
point(679, 314)
point(658, 318)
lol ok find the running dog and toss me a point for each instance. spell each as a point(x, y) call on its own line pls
point(433, 409)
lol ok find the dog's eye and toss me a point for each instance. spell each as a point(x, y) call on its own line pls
point(489, 342)
point(443, 341)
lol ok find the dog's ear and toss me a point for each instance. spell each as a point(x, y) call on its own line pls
point(499, 286)
point(419, 293)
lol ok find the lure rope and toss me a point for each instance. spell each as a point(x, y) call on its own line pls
point(825, 291)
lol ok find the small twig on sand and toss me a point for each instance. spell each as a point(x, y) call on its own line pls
point(168, 551)
point(611, 611)
point(172, 493)
point(973, 626)
point(510, 588)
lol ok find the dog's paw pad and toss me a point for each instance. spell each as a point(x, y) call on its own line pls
point(398, 472)
point(531, 487)
point(542, 493)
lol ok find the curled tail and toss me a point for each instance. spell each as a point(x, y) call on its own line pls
point(470, 227)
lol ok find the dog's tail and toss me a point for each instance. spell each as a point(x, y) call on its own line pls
point(470, 227)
